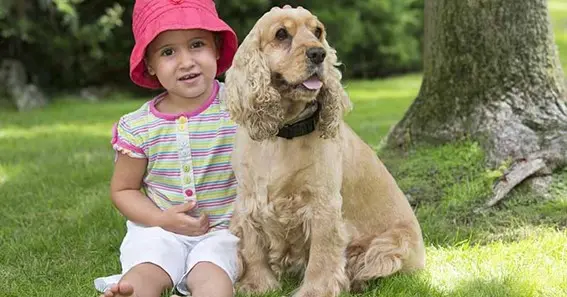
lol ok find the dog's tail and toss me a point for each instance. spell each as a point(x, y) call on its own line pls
point(399, 248)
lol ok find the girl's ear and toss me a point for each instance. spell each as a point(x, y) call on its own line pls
point(151, 71)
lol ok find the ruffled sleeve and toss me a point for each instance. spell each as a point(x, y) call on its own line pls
point(127, 140)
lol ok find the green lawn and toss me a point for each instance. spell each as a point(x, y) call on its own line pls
point(58, 229)
point(558, 9)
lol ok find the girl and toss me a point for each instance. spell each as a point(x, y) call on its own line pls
point(172, 178)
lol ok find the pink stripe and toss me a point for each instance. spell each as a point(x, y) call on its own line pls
point(173, 117)
point(158, 186)
point(207, 119)
point(215, 187)
point(136, 116)
point(210, 169)
point(160, 195)
point(156, 124)
point(211, 117)
point(212, 134)
point(114, 134)
point(128, 146)
point(213, 152)
point(166, 174)
point(162, 139)
point(220, 203)
point(162, 157)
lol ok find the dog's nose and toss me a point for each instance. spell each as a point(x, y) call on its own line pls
point(316, 54)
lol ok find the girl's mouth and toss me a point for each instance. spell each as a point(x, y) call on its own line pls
point(189, 76)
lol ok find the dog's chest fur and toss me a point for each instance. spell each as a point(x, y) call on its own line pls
point(286, 211)
point(288, 232)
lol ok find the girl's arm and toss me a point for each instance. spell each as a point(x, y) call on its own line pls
point(125, 191)
point(136, 207)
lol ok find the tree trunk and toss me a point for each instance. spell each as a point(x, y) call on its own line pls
point(491, 74)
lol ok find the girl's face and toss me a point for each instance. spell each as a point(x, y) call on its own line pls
point(184, 62)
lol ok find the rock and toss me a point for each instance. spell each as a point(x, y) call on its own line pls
point(94, 94)
point(15, 87)
point(12, 74)
point(540, 185)
point(29, 97)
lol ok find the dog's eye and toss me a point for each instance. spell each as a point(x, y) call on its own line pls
point(318, 32)
point(281, 34)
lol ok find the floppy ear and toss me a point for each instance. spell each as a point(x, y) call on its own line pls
point(333, 99)
point(252, 102)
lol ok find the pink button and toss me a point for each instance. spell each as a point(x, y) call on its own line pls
point(189, 192)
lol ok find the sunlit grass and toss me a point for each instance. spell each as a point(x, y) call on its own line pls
point(57, 221)
point(59, 230)
point(558, 10)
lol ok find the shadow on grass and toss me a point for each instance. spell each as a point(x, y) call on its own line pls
point(447, 183)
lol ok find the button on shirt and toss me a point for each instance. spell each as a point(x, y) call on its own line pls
point(188, 155)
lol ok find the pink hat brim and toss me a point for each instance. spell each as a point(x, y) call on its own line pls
point(181, 18)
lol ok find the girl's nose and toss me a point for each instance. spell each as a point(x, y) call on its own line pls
point(186, 59)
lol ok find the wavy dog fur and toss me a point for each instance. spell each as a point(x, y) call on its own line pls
point(322, 204)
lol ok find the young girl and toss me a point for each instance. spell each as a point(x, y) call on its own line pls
point(176, 148)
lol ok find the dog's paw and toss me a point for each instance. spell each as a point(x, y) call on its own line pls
point(358, 286)
point(311, 291)
point(327, 287)
point(257, 284)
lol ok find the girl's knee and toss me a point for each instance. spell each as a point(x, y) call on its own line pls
point(149, 274)
point(207, 278)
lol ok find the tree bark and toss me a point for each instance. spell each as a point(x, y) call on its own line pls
point(491, 74)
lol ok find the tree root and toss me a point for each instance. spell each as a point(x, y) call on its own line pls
point(517, 173)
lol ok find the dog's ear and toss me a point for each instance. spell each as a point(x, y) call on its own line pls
point(333, 98)
point(252, 102)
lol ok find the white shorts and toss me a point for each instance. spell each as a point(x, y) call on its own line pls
point(174, 253)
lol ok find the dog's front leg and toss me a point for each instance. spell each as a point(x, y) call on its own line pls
point(325, 275)
point(256, 274)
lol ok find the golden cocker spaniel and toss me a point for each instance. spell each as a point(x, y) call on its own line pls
point(317, 202)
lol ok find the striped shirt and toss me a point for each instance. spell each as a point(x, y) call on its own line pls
point(188, 156)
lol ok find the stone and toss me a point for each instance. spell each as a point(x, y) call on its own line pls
point(14, 86)
point(29, 97)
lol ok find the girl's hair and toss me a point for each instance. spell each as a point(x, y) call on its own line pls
point(218, 40)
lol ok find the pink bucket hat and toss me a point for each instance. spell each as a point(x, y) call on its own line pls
point(151, 17)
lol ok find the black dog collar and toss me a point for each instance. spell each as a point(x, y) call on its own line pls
point(300, 128)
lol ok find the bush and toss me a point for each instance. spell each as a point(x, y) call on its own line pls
point(68, 44)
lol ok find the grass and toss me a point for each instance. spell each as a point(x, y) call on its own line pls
point(558, 10)
point(58, 229)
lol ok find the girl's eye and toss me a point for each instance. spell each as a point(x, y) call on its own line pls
point(167, 52)
point(197, 44)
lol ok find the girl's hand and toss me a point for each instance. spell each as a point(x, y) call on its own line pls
point(175, 219)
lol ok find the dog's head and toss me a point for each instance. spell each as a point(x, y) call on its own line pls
point(285, 57)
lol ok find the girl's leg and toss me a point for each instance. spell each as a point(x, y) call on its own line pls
point(143, 280)
point(152, 259)
point(212, 266)
point(209, 280)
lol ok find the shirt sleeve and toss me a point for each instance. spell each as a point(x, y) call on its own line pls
point(127, 140)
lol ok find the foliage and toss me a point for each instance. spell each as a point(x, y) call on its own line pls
point(61, 42)
point(73, 43)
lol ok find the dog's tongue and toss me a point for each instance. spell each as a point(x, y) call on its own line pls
point(313, 83)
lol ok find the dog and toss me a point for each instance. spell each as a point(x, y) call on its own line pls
point(312, 196)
